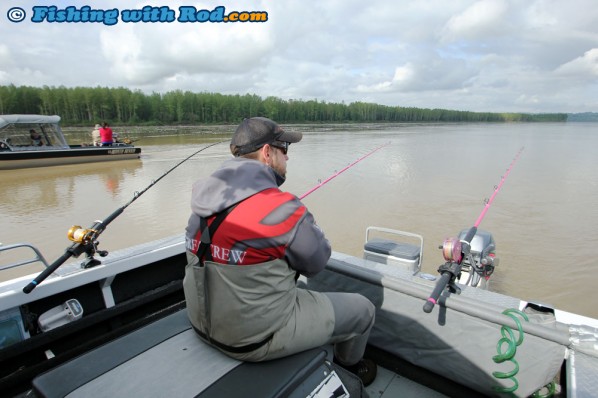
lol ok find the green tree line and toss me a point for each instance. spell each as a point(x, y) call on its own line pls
point(122, 106)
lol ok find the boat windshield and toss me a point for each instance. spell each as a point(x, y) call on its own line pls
point(28, 136)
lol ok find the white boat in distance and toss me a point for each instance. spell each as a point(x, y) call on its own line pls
point(19, 150)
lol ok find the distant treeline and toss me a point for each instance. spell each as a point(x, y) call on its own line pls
point(583, 117)
point(121, 106)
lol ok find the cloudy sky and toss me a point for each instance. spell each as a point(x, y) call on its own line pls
point(486, 55)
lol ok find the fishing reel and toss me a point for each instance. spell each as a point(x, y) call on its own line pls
point(86, 239)
point(78, 234)
point(478, 261)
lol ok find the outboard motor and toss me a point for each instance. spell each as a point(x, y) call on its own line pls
point(476, 267)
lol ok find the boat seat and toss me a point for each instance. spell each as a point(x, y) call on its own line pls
point(168, 359)
point(404, 255)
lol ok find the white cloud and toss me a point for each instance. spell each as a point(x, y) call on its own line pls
point(583, 67)
point(141, 54)
point(482, 18)
point(435, 73)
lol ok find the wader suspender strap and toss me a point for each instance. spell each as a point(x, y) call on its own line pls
point(207, 233)
point(206, 239)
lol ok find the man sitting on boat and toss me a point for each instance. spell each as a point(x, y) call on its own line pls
point(247, 243)
point(106, 135)
point(36, 139)
point(95, 135)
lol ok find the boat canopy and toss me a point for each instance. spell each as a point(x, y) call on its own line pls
point(16, 132)
point(36, 119)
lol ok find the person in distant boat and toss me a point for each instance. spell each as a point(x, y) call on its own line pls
point(95, 135)
point(240, 283)
point(36, 138)
point(106, 134)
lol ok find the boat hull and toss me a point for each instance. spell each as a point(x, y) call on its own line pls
point(74, 155)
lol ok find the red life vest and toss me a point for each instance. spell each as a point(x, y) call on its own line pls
point(257, 230)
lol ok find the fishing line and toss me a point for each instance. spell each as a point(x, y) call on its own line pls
point(86, 239)
point(138, 194)
point(322, 183)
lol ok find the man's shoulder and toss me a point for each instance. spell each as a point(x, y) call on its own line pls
point(270, 199)
point(276, 194)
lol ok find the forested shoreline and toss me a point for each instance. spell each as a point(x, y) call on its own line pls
point(83, 106)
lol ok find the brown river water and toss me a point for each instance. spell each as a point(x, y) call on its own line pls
point(431, 179)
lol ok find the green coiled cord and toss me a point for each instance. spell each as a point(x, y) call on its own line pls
point(508, 340)
point(551, 389)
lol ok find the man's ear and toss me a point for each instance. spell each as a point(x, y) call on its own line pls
point(265, 154)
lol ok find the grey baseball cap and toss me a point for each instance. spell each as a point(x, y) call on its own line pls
point(254, 133)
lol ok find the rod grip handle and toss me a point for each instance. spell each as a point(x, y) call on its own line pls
point(45, 273)
point(429, 306)
point(438, 289)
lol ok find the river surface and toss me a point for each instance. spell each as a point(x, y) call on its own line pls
point(431, 179)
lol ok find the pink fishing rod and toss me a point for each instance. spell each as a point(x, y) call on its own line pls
point(320, 184)
point(496, 189)
point(455, 250)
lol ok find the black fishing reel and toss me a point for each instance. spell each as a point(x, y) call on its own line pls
point(86, 238)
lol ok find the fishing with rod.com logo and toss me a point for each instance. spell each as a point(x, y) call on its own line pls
point(146, 14)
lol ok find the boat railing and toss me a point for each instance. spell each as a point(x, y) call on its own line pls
point(38, 257)
point(123, 144)
point(19, 148)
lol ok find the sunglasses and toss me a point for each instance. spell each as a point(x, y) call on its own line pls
point(282, 145)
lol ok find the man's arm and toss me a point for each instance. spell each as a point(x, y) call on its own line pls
point(309, 250)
